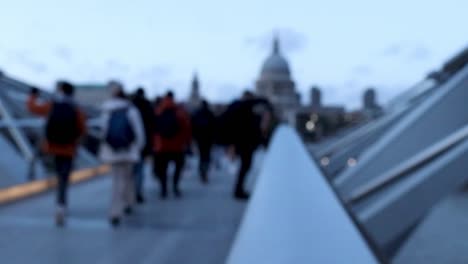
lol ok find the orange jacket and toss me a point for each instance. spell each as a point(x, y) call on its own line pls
point(180, 142)
point(43, 109)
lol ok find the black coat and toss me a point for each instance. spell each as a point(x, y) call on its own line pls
point(240, 124)
point(204, 126)
point(148, 118)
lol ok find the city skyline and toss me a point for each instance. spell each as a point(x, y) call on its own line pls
point(342, 47)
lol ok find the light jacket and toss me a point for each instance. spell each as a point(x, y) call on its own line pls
point(106, 153)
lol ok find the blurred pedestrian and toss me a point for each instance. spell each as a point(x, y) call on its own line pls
point(64, 127)
point(172, 137)
point(203, 124)
point(147, 116)
point(123, 141)
point(243, 127)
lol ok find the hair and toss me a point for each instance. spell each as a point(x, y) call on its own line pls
point(157, 100)
point(248, 95)
point(120, 94)
point(170, 94)
point(34, 90)
point(117, 89)
point(140, 92)
point(205, 104)
point(67, 88)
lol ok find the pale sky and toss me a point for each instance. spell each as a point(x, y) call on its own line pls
point(342, 46)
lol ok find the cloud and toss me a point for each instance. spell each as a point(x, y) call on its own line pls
point(362, 70)
point(63, 53)
point(392, 50)
point(291, 41)
point(24, 59)
point(419, 53)
point(409, 52)
point(154, 72)
point(116, 67)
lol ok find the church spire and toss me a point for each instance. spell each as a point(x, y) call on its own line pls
point(195, 89)
point(276, 44)
point(195, 83)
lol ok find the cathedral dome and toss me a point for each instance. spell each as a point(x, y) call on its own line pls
point(275, 66)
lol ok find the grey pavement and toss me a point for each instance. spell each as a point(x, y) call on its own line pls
point(199, 228)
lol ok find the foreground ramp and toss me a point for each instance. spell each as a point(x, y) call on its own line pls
point(295, 215)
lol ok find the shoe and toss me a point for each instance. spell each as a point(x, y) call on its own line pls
point(177, 193)
point(241, 195)
point(140, 199)
point(128, 210)
point(60, 216)
point(204, 178)
point(115, 221)
point(163, 195)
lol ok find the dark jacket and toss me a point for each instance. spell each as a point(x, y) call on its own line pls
point(203, 126)
point(148, 118)
point(241, 125)
point(43, 109)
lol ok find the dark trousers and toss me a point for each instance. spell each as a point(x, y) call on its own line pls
point(205, 159)
point(139, 172)
point(246, 162)
point(161, 164)
point(63, 167)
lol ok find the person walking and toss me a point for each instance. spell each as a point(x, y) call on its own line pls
point(147, 116)
point(172, 137)
point(244, 123)
point(123, 141)
point(203, 123)
point(65, 125)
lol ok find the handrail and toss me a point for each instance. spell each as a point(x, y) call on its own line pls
point(405, 168)
point(17, 136)
point(22, 87)
point(294, 215)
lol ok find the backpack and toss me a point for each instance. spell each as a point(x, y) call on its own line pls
point(203, 125)
point(120, 134)
point(62, 124)
point(168, 123)
point(202, 119)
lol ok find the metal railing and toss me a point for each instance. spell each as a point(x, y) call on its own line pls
point(294, 215)
point(411, 165)
point(12, 124)
point(23, 146)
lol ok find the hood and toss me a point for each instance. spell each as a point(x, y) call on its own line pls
point(59, 97)
point(115, 103)
point(166, 103)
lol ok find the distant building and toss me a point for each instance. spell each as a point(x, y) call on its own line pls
point(91, 94)
point(275, 84)
point(316, 120)
point(195, 97)
point(370, 108)
point(315, 97)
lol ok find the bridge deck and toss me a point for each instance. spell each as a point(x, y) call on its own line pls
point(198, 228)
